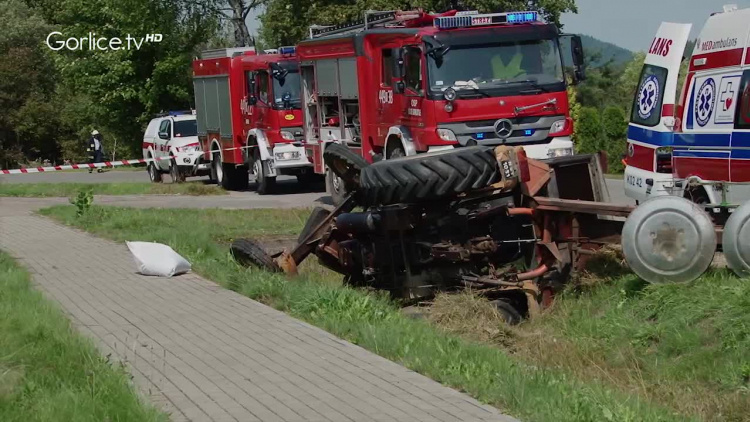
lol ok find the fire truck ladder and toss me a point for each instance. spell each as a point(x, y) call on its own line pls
point(372, 18)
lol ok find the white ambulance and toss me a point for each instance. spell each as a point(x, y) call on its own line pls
point(697, 147)
point(171, 139)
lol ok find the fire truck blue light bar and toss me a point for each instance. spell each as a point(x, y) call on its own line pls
point(467, 20)
point(287, 50)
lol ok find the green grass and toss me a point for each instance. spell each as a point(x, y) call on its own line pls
point(70, 189)
point(50, 373)
point(514, 383)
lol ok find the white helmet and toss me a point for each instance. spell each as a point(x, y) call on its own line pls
point(95, 132)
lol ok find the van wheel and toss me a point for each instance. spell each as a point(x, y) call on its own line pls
point(264, 184)
point(153, 173)
point(174, 172)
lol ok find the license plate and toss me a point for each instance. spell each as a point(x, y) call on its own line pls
point(634, 181)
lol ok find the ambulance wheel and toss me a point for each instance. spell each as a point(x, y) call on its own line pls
point(153, 173)
point(429, 176)
point(264, 184)
point(735, 241)
point(175, 173)
point(345, 164)
point(669, 239)
point(249, 253)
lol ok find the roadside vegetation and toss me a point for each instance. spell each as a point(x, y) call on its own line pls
point(71, 189)
point(50, 373)
point(612, 348)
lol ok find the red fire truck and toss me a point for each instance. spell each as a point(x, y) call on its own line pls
point(249, 118)
point(401, 83)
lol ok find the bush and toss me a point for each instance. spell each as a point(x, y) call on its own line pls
point(589, 131)
point(615, 128)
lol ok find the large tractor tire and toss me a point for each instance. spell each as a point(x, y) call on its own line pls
point(250, 253)
point(431, 176)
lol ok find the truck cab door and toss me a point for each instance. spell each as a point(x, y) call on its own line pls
point(161, 144)
point(653, 120)
point(251, 97)
point(413, 92)
point(263, 104)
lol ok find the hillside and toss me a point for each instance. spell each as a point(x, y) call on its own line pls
point(608, 51)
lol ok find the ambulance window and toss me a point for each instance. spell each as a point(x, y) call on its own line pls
point(263, 86)
point(742, 120)
point(649, 95)
point(413, 69)
point(387, 70)
point(250, 87)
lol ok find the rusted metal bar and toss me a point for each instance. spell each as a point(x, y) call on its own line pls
point(520, 211)
point(584, 207)
point(306, 246)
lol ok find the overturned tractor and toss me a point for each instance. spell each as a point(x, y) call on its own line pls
point(512, 228)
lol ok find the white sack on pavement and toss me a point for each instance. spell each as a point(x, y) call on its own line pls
point(157, 259)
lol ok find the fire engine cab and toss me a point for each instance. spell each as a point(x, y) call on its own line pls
point(249, 118)
point(700, 148)
point(400, 83)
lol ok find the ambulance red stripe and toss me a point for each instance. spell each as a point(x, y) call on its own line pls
point(719, 59)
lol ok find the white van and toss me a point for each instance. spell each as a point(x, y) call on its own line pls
point(698, 147)
point(172, 140)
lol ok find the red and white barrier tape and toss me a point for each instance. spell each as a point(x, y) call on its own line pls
point(103, 164)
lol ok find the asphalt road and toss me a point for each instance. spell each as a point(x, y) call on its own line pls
point(290, 193)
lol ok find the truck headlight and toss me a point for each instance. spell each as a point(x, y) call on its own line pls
point(557, 127)
point(286, 135)
point(446, 135)
point(193, 148)
point(559, 152)
point(289, 155)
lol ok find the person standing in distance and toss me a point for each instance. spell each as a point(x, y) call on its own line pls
point(95, 149)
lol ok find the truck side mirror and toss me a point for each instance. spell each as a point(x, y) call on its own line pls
point(164, 135)
point(576, 46)
point(252, 100)
point(400, 87)
point(399, 71)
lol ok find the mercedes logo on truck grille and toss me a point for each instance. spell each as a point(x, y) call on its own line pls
point(503, 128)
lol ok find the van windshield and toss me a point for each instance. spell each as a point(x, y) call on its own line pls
point(510, 66)
point(183, 128)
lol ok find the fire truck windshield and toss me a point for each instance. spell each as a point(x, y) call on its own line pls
point(286, 90)
point(498, 69)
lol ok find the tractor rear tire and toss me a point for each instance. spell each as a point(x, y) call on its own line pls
point(250, 253)
point(431, 176)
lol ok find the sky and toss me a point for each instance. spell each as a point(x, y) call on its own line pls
point(632, 24)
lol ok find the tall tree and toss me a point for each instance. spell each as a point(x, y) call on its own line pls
point(286, 22)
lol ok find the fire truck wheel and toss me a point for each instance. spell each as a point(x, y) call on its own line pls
point(250, 253)
point(735, 241)
point(217, 170)
point(316, 217)
point(668, 239)
point(345, 164)
point(175, 173)
point(263, 183)
point(429, 176)
point(153, 173)
point(335, 187)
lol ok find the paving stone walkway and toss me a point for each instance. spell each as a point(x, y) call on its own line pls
point(204, 353)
